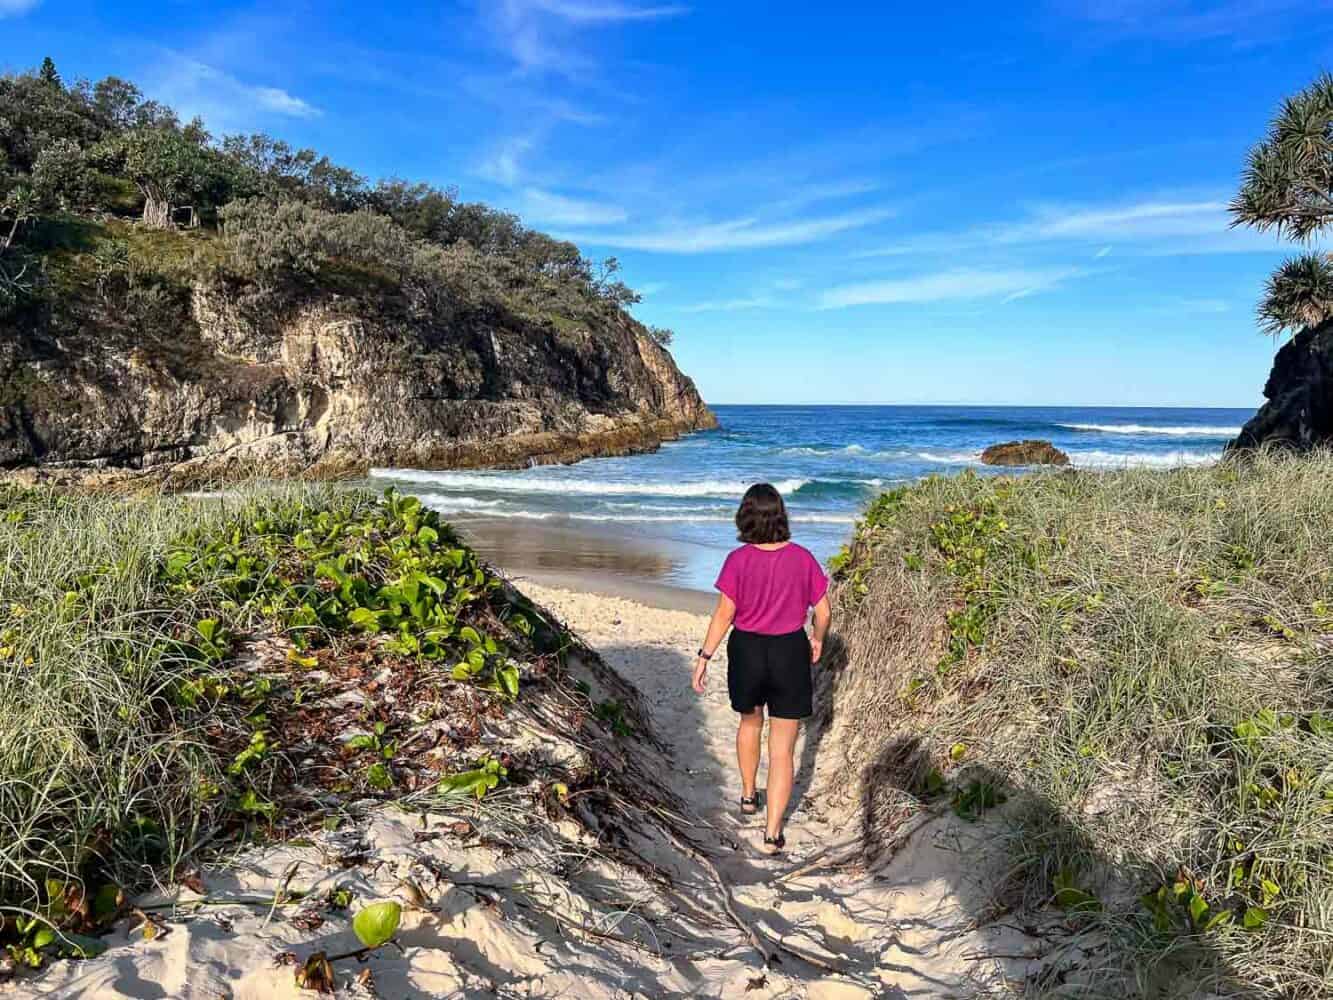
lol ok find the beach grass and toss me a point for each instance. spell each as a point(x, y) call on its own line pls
point(1141, 663)
point(162, 658)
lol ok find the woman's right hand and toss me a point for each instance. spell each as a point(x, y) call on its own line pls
point(700, 675)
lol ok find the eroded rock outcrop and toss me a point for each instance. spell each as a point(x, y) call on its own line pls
point(321, 384)
point(1299, 411)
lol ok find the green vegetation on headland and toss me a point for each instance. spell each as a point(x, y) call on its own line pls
point(72, 157)
point(1136, 670)
point(181, 675)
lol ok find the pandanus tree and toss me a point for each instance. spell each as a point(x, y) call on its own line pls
point(1288, 190)
point(169, 167)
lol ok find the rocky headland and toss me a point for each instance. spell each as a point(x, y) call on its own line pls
point(325, 384)
point(1299, 392)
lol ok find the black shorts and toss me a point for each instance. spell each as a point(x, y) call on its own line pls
point(772, 670)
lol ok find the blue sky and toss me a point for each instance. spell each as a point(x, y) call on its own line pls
point(984, 203)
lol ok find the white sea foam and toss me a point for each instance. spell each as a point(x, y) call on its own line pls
point(506, 483)
point(1119, 460)
point(1188, 430)
point(949, 457)
point(702, 519)
point(669, 508)
point(856, 450)
point(453, 504)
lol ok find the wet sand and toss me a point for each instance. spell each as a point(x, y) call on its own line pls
point(607, 560)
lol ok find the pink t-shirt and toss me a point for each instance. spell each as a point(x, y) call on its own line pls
point(772, 588)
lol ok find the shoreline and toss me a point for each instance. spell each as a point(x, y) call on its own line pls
point(607, 561)
point(655, 596)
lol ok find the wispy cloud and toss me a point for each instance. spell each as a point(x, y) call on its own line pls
point(1246, 21)
point(13, 8)
point(504, 163)
point(730, 305)
point(1142, 220)
point(537, 33)
point(734, 234)
point(224, 102)
point(946, 286)
point(605, 13)
point(1162, 223)
point(561, 210)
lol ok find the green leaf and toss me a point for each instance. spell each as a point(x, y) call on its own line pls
point(469, 634)
point(1255, 917)
point(378, 777)
point(465, 781)
point(1218, 919)
point(1198, 908)
point(508, 675)
point(362, 742)
point(44, 936)
point(252, 804)
point(364, 618)
point(80, 946)
point(377, 924)
point(107, 900)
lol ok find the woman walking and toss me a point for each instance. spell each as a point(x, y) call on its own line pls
point(766, 590)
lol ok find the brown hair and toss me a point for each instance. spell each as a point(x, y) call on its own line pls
point(762, 516)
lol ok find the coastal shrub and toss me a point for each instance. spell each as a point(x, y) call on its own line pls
point(1141, 662)
point(139, 721)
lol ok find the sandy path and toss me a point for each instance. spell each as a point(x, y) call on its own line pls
point(922, 924)
point(654, 649)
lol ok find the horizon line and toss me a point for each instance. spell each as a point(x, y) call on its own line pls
point(1018, 406)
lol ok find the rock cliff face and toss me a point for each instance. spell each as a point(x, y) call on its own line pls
point(1299, 411)
point(324, 385)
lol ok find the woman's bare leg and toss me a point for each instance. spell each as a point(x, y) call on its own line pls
point(781, 763)
point(748, 737)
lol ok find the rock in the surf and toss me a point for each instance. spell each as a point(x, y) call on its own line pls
point(1024, 453)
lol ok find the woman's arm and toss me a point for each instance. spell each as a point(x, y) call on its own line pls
point(717, 628)
point(823, 616)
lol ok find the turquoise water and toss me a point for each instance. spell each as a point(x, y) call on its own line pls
point(828, 461)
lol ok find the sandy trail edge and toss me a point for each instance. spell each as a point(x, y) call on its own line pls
point(922, 924)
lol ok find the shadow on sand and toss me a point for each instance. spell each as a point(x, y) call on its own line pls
point(996, 883)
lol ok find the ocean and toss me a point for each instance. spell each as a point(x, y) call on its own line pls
point(666, 517)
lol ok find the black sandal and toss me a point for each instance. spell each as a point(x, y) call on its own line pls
point(773, 845)
point(750, 806)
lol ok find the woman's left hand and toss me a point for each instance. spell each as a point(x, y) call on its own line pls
point(700, 675)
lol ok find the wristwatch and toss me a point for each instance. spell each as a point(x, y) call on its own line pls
point(703, 655)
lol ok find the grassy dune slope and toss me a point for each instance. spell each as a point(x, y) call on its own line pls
point(182, 677)
point(1135, 671)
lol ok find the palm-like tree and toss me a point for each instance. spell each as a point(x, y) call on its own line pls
point(1288, 189)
